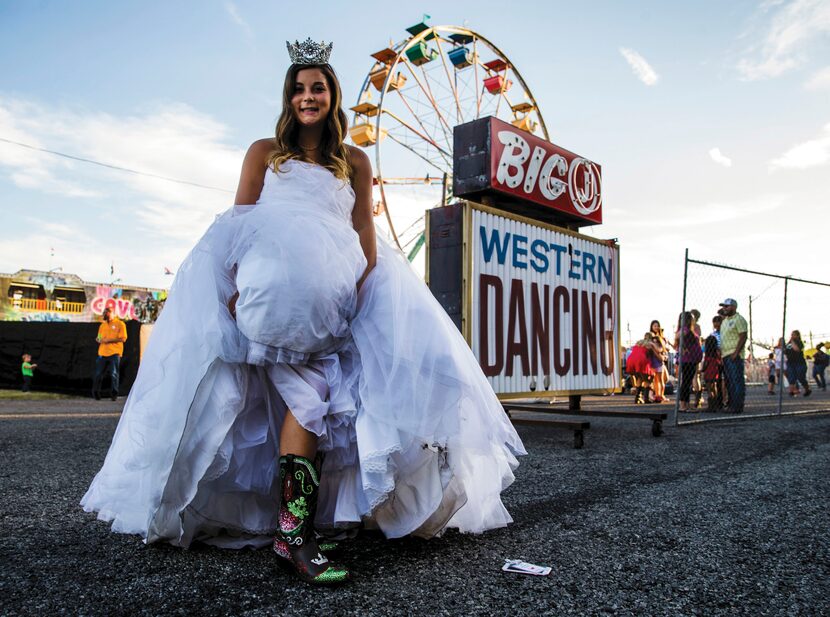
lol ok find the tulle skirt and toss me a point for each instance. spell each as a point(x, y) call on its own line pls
point(415, 440)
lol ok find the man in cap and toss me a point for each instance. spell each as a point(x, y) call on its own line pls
point(733, 331)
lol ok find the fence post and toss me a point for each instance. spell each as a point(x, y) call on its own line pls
point(680, 347)
point(783, 355)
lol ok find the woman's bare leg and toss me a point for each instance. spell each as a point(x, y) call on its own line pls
point(294, 439)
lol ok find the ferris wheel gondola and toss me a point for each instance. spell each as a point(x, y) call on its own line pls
point(417, 91)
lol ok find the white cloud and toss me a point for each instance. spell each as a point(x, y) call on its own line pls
point(642, 69)
point(719, 157)
point(233, 11)
point(811, 153)
point(707, 214)
point(174, 141)
point(790, 34)
point(28, 167)
point(820, 80)
point(158, 220)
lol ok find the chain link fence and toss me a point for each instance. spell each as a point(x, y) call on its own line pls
point(749, 344)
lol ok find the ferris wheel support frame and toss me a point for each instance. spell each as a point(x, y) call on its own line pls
point(400, 49)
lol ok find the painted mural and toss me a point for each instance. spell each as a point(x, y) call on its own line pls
point(34, 295)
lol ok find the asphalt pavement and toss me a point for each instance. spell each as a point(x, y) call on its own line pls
point(727, 518)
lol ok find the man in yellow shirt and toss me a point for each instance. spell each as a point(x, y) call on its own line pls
point(111, 336)
point(733, 329)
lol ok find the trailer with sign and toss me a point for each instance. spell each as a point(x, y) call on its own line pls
point(538, 304)
point(537, 301)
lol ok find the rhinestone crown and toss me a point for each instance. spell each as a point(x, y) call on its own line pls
point(309, 52)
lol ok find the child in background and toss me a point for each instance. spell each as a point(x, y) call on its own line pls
point(640, 368)
point(712, 370)
point(27, 368)
point(771, 374)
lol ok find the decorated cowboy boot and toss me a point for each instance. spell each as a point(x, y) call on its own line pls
point(638, 396)
point(300, 486)
point(325, 546)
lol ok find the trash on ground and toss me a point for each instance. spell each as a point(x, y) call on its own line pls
point(518, 566)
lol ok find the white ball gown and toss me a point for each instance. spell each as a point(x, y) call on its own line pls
point(415, 440)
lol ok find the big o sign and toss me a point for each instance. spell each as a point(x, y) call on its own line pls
point(494, 157)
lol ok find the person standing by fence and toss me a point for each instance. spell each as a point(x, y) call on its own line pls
point(820, 361)
point(780, 360)
point(688, 344)
point(796, 364)
point(722, 394)
point(111, 336)
point(712, 368)
point(733, 333)
point(771, 373)
point(697, 386)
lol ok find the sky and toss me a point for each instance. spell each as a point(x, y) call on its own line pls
point(711, 121)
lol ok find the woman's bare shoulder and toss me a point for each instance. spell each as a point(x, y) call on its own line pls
point(262, 147)
point(253, 171)
point(358, 158)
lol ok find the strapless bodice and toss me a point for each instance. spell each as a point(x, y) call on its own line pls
point(298, 260)
point(297, 181)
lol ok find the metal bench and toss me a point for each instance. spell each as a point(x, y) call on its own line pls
point(656, 417)
point(577, 426)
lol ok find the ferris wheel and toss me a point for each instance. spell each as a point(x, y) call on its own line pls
point(413, 95)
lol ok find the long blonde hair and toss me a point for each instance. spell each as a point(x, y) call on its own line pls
point(333, 150)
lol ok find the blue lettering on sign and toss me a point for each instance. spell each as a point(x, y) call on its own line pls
point(583, 266)
point(604, 268)
point(519, 250)
point(558, 249)
point(488, 247)
point(588, 260)
point(574, 264)
point(540, 262)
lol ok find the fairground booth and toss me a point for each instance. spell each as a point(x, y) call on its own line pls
point(54, 316)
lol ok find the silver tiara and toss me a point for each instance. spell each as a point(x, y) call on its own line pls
point(309, 52)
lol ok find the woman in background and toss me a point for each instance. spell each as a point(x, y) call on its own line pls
point(658, 361)
point(697, 386)
point(688, 344)
point(796, 364)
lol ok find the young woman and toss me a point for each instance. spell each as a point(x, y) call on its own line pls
point(796, 364)
point(301, 375)
point(658, 361)
point(697, 385)
point(688, 345)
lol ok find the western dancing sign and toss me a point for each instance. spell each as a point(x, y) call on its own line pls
point(538, 304)
point(545, 306)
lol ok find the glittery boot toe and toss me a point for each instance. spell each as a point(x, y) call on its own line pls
point(296, 541)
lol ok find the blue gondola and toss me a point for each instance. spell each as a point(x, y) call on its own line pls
point(460, 57)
